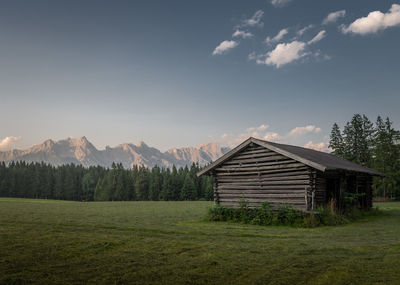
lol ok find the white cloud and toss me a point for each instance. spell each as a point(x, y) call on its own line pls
point(303, 30)
point(284, 53)
point(259, 128)
point(321, 57)
point(277, 38)
point(224, 47)
point(272, 137)
point(280, 3)
point(7, 142)
point(242, 34)
point(262, 127)
point(252, 56)
point(298, 131)
point(317, 38)
point(255, 132)
point(333, 17)
point(374, 22)
point(327, 57)
point(225, 136)
point(255, 20)
point(322, 146)
point(261, 132)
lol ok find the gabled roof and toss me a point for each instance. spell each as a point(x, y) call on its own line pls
point(316, 159)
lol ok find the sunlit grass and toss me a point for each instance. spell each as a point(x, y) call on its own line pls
point(43, 241)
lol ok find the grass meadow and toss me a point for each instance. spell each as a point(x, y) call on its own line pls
point(60, 242)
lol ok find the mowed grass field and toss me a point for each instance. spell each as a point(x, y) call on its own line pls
point(59, 242)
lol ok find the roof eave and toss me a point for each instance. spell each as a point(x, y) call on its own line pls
point(225, 157)
point(265, 144)
point(371, 172)
point(307, 162)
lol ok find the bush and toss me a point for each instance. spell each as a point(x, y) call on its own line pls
point(284, 214)
point(264, 215)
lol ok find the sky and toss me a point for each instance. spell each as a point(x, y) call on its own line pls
point(183, 72)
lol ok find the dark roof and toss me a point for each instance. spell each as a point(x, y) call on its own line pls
point(316, 159)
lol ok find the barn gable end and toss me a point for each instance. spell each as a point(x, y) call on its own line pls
point(258, 174)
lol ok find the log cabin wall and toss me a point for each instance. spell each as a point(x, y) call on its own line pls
point(333, 184)
point(258, 175)
point(320, 190)
point(364, 185)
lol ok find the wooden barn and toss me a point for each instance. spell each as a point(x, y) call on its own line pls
point(260, 171)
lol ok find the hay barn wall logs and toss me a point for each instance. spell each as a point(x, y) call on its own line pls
point(258, 171)
point(257, 174)
point(320, 190)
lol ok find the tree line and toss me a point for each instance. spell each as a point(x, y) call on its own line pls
point(77, 183)
point(372, 145)
point(376, 146)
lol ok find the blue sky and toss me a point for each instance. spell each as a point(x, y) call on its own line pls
point(125, 71)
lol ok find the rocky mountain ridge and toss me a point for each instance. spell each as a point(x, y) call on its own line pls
point(82, 151)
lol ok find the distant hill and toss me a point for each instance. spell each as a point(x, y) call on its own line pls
point(81, 151)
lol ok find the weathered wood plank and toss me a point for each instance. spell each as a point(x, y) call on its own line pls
point(261, 191)
point(257, 164)
point(294, 171)
point(273, 206)
point(259, 159)
point(263, 195)
point(246, 173)
point(275, 187)
point(263, 182)
point(263, 178)
point(285, 172)
point(250, 151)
point(274, 200)
point(274, 167)
point(255, 154)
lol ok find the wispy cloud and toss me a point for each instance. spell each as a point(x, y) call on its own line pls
point(317, 38)
point(277, 38)
point(255, 20)
point(224, 47)
point(253, 56)
point(318, 55)
point(262, 132)
point(272, 137)
point(298, 131)
point(284, 53)
point(259, 132)
point(280, 3)
point(303, 30)
point(333, 17)
point(242, 34)
point(375, 21)
point(259, 128)
point(321, 146)
point(7, 142)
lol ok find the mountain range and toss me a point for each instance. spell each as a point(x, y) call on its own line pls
point(81, 151)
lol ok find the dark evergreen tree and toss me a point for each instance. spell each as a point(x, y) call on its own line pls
point(88, 186)
point(358, 140)
point(155, 183)
point(166, 193)
point(386, 159)
point(188, 191)
point(142, 184)
point(207, 185)
point(336, 141)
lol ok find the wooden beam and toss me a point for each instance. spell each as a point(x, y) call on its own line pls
point(274, 167)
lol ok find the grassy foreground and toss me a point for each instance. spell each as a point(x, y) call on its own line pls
point(61, 242)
